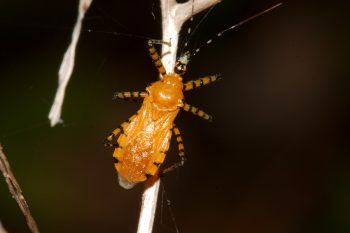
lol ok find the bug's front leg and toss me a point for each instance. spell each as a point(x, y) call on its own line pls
point(156, 58)
point(129, 95)
point(181, 152)
point(196, 111)
point(192, 84)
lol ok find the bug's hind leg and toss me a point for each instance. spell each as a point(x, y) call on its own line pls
point(196, 111)
point(192, 84)
point(130, 95)
point(181, 152)
point(156, 58)
point(108, 142)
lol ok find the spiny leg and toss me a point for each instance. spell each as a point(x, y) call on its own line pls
point(181, 152)
point(196, 111)
point(201, 82)
point(129, 95)
point(155, 57)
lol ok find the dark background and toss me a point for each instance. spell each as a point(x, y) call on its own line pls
point(274, 160)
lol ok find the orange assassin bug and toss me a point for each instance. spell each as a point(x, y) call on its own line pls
point(141, 143)
point(144, 139)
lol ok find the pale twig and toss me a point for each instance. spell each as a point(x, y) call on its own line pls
point(173, 16)
point(67, 66)
point(16, 191)
point(2, 229)
point(149, 205)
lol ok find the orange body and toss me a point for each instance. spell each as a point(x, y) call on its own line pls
point(146, 137)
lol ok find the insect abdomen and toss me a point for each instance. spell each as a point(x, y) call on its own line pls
point(143, 144)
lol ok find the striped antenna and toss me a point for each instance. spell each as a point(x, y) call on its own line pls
point(122, 34)
point(191, 32)
point(235, 26)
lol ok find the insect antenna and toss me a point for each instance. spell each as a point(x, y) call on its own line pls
point(196, 51)
point(117, 34)
point(129, 34)
point(184, 43)
point(197, 26)
point(191, 32)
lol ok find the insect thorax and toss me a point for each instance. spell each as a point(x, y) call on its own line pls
point(166, 93)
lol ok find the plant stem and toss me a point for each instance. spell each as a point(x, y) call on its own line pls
point(67, 65)
point(173, 17)
point(16, 191)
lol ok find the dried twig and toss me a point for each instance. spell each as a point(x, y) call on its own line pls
point(149, 205)
point(67, 66)
point(173, 16)
point(16, 191)
point(2, 229)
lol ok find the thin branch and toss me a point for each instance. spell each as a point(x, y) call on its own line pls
point(173, 17)
point(16, 191)
point(2, 229)
point(149, 205)
point(67, 66)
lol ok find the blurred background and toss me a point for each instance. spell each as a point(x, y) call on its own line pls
point(274, 160)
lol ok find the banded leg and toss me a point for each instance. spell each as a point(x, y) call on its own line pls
point(153, 168)
point(158, 157)
point(129, 95)
point(181, 152)
point(192, 84)
point(108, 142)
point(155, 57)
point(196, 111)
